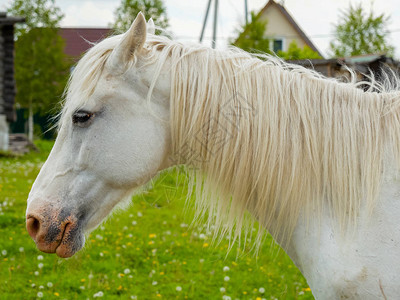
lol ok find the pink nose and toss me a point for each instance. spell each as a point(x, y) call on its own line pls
point(46, 232)
point(33, 226)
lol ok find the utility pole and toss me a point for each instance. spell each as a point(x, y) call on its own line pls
point(245, 13)
point(214, 40)
point(205, 21)
point(214, 37)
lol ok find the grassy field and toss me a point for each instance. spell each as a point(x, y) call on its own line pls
point(145, 252)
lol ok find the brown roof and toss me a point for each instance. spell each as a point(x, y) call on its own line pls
point(292, 22)
point(78, 40)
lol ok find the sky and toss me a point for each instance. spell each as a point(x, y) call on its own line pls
point(315, 17)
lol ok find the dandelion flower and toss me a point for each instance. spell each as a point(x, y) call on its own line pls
point(178, 289)
point(154, 283)
point(40, 257)
point(226, 278)
point(50, 284)
point(127, 271)
point(36, 273)
point(98, 294)
point(40, 265)
point(261, 290)
point(4, 252)
point(39, 294)
point(226, 269)
point(21, 249)
point(225, 297)
point(222, 290)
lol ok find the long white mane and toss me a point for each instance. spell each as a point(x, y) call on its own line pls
point(264, 136)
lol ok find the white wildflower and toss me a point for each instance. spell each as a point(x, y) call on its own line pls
point(98, 294)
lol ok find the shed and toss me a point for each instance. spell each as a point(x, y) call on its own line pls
point(7, 81)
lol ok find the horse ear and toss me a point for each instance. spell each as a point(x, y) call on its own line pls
point(132, 41)
point(151, 28)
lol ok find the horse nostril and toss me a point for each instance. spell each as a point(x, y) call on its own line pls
point(33, 226)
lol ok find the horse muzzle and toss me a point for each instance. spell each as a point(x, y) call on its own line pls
point(55, 232)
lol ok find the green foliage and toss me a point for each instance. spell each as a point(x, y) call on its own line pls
point(41, 67)
point(251, 37)
point(295, 52)
point(146, 251)
point(37, 13)
point(359, 32)
point(128, 10)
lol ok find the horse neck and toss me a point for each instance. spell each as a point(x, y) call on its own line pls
point(277, 142)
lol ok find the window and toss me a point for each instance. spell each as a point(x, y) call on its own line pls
point(277, 45)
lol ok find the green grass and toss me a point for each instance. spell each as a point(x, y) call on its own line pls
point(146, 252)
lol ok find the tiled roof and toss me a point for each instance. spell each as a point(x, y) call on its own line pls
point(78, 40)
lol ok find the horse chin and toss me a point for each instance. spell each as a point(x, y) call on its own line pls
point(72, 241)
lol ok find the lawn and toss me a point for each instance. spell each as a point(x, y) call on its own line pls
point(148, 251)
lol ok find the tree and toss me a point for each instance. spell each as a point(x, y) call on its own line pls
point(40, 63)
point(295, 52)
point(128, 10)
point(251, 36)
point(359, 32)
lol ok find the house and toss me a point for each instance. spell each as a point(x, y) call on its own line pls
point(7, 82)
point(79, 40)
point(282, 29)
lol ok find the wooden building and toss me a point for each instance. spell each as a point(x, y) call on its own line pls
point(363, 65)
point(7, 82)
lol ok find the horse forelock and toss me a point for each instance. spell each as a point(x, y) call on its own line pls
point(265, 136)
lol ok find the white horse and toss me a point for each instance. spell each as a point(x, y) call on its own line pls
point(313, 160)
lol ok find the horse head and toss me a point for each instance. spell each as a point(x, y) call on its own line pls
point(112, 139)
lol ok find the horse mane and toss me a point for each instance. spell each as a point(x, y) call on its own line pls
point(267, 137)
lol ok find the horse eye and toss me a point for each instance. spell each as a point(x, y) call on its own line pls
point(81, 117)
